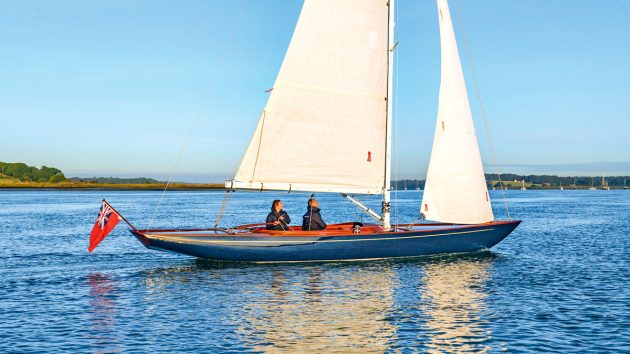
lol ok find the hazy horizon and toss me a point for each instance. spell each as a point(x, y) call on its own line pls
point(595, 169)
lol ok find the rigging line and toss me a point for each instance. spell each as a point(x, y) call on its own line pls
point(262, 129)
point(179, 157)
point(226, 200)
point(481, 106)
point(219, 64)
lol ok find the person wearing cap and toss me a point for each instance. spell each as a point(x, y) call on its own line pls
point(312, 220)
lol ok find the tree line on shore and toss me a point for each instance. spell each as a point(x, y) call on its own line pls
point(559, 181)
point(509, 179)
point(116, 180)
point(25, 173)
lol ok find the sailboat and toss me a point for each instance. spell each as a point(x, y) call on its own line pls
point(592, 187)
point(604, 184)
point(624, 183)
point(523, 185)
point(334, 91)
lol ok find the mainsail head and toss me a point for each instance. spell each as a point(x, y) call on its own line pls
point(324, 125)
point(455, 189)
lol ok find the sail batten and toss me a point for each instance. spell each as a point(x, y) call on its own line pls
point(324, 124)
point(455, 189)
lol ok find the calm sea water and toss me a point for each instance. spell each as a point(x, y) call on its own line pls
point(559, 283)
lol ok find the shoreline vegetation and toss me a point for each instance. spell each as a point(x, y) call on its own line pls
point(117, 186)
point(536, 182)
point(20, 176)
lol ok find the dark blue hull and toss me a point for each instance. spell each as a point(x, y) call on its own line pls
point(266, 248)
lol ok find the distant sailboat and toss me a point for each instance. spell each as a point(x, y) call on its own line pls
point(417, 185)
point(561, 187)
point(334, 90)
point(604, 184)
point(574, 185)
point(523, 185)
point(624, 183)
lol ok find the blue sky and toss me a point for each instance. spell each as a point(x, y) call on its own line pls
point(114, 87)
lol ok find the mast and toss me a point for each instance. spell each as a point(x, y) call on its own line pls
point(388, 125)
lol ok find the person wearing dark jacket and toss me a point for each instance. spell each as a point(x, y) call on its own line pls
point(278, 219)
point(312, 220)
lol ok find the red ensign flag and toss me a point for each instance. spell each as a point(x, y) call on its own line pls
point(105, 222)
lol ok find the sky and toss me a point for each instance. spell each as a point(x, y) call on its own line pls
point(175, 88)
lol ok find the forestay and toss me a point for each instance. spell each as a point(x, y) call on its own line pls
point(324, 125)
point(455, 189)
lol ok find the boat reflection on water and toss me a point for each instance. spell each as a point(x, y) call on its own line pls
point(435, 304)
point(339, 309)
point(102, 313)
point(453, 303)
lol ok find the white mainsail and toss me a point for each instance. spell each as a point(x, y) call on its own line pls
point(455, 190)
point(325, 124)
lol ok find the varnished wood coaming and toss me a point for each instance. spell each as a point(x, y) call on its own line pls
point(333, 230)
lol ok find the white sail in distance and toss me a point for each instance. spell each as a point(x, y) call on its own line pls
point(455, 190)
point(324, 126)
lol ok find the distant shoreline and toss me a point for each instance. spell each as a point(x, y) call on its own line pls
point(203, 186)
point(111, 186)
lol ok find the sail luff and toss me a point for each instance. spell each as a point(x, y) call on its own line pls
point(455, 189)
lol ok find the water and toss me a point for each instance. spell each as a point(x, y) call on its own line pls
point(559, 283)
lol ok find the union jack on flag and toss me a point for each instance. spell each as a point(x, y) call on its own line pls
point(103, 215)
point(107, 219)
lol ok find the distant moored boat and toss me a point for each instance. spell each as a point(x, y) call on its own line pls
point(605, 185)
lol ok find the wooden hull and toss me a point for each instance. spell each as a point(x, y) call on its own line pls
point(252, 246)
